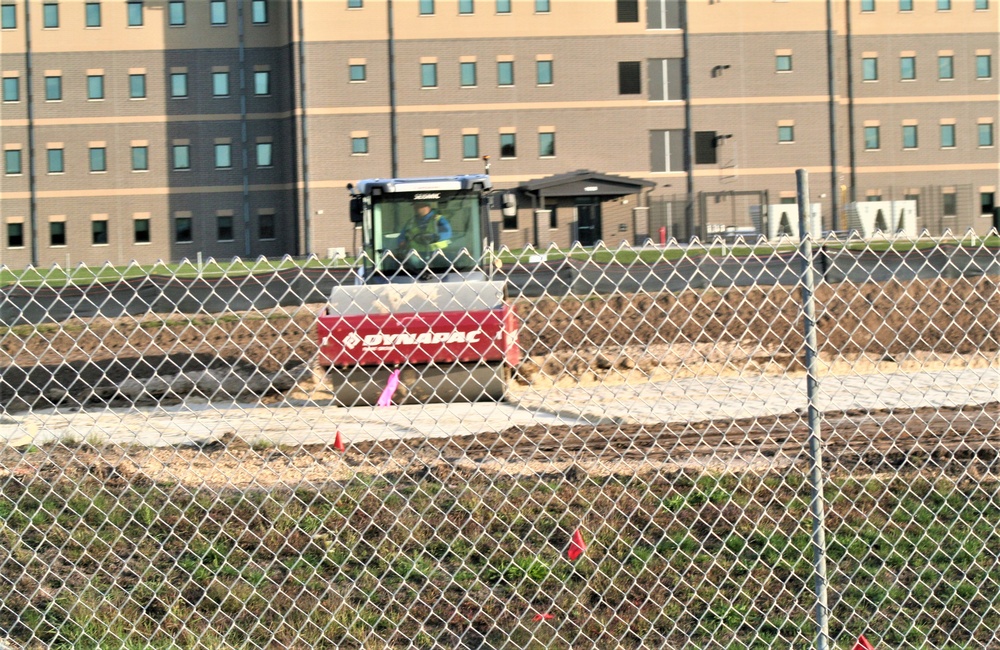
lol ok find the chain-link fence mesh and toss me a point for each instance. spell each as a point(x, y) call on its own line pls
point(178, 469)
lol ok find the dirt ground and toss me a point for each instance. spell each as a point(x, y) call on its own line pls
point(571, 340)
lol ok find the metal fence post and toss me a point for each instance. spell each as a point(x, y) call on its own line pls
point(815, 451)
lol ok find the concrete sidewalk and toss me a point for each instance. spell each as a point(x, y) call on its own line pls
point(650, 403)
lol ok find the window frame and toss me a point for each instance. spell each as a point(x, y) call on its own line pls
point(988, 58)
point(212, 5)
point(135, 13)
point(8, 84)
point(910, 137)
point(546, 144)
point(50, 15)
point(266, 76)
point(135, 152)
point(359, 145)
point(905, 6)
point(136, 239)
point(97, 155)
point(89, 15)
point(778, 58)
point(468, 138)
point(176, 13)
point(97, 231)
point(259, 12)
point(868, 133)
point(188, 226)
point(57, 234)
point(95, 87)
point(8, 16)
point(15, 235)
point(176, 77)
point(981, 5)
point(949, 131)
point(272, 235)
point(943, 5)
point(222, 151)
point(351, 67)
point(946, 66)
point(869, 68)
point(509, 67)
point(466, 7)
point(175, 159)
point(543, 6)
point(428, 75)
point(503, 7)
point(425, 7)
point(10, 156)
point(508, 139)
point(225, 224)
point(355, 4)
point(786, 134)
point(867, 6)
point(216, 77)
point(432, 148)
point(139, 77)
point(464, 66)
point(261, 147)
point(985, 129)
point(629, 71)
point(55, 159)
point(53, 88)
point(543, 65)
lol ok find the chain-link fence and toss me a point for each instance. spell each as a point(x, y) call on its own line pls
point(662, 452)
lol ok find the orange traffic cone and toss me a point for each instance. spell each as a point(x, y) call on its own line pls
point(862, 644)
point(576, 546)
point(338, 443)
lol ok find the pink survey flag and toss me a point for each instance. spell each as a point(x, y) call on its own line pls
point(385, 399)
point(576, 546)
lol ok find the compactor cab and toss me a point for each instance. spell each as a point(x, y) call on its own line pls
point(426, 309)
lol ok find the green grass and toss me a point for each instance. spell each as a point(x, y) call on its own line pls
point(683, 560)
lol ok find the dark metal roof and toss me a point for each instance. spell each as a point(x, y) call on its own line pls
point(584, 182)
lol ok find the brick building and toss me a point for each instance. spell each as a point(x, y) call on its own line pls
point(161, 129)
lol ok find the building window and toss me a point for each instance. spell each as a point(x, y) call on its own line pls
point(183, 230)
point(546, 144)
point(467, 73)
point(783, 63)
point(428, 75)
point(869, 69)
point(98, 159)
point(140, 231)
point(470, 146)
point(553, 209)
point(92, 14)
point(503, 6)
point(50, 15)
point(15, 235)
point(177, 14)
point(432, 150)
point(140, 158)
point(909, 136)
point(265, 227)
point(543, 6)
point(907, 68)
point(224, 227)
point(264, 154)
point(985, 132)
point(505, 73)
point(12, 162)
point(986, 203)
point(665, 80)
point(182, 156)
point(906, 5)
point(220, 84)
point(949, 204)
point(508, 145)
point(867, 5)
point(359, 146)
point(466, 6)
point(706, 145)
point(663, 14)
point(355, 4)
point(629, 77)
point(262, 82)
point(53, 89)
point(137, 86)
point(258, 12)
point(8, 17)
point(872, 138)
point(628, 11)
point(982, 5)
point(99, 232)
point(666, 150)
point(178, 85)
point(946, 67)
point(11, 89)
point(357, 72)
point(223, 156)
point(944, 5)
point(786, 134)
point(426, 7)
point(57, 233)
point(984, 66)
point(135, 13)
point(544, 69)
point(217, 12)
point(947, 136)
point(95, 86)
point(56, 160)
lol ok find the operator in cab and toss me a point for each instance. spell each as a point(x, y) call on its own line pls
point(426, 233)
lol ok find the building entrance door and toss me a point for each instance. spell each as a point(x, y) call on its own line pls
point(588, 221)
